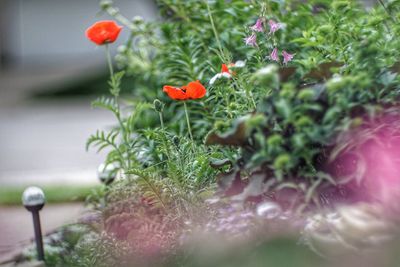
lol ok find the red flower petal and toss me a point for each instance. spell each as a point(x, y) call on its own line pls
point(103, 32)
point(175, 93)
point(224, 68)
point(195, 90)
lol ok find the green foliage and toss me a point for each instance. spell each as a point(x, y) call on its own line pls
point(307, 113)
point(269, 126)
point(344, 67)
point(115, 83)
point(96, 250)
point(54, 194)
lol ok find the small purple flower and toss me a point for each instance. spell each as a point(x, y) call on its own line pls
point(258, 27)
point(274, 55)
point(251, 40)
point(273, 26)
point(286, 57)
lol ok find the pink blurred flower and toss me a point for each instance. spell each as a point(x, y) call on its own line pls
point(258, 27)
point(251, 40)
point(273, 26)
point(287, 57)
point(274, 55)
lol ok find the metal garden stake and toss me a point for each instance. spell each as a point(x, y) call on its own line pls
point(33, 199)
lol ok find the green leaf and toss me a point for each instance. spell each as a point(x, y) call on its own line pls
point(115, 83)
point(107, 103)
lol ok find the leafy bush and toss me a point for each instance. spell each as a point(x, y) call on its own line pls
point(273, 128)
point(344, 72)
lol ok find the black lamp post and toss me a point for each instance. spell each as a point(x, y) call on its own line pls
point(33, 199)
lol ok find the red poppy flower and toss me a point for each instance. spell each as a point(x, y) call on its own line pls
point(103, 32)
point(194, 90)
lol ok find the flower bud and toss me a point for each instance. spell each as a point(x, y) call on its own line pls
point(176, 141)
point(137, 19)
point(104, 4)
point(114, 11)
point(122, 49)
point(158, 105)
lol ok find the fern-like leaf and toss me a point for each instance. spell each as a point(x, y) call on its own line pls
point(107, 103)
point(185, 62)
point(115, 83)
point(151, 187)
point(102, 140)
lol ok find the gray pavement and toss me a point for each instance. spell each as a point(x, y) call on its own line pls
point(16, 227)
point(43, 142)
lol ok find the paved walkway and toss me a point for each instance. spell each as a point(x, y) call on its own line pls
point(44, 143)
point(16, 227)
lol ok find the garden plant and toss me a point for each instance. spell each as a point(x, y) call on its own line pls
point(246, 120)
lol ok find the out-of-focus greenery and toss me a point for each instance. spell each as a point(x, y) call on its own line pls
point(76, 246)
point(54, 194)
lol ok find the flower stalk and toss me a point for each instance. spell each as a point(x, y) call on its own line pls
point(188, 121)
point(159, 107)
point(222, 56)
point(109, 62)
point(161, 120)
point(387, 10)
point(117, 112)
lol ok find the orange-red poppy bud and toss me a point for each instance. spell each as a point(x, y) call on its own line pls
point(194, 90)
point(103, 32)
point(224, 68)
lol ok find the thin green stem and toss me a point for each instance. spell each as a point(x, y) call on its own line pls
point(118, 113)
point(161, 120)
point(109, 62)
point(390, 16)
point(112, 11)
point(226, 98)
point(253, 102)
point(387, 10)
point(215, 32)
point(188, 121)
